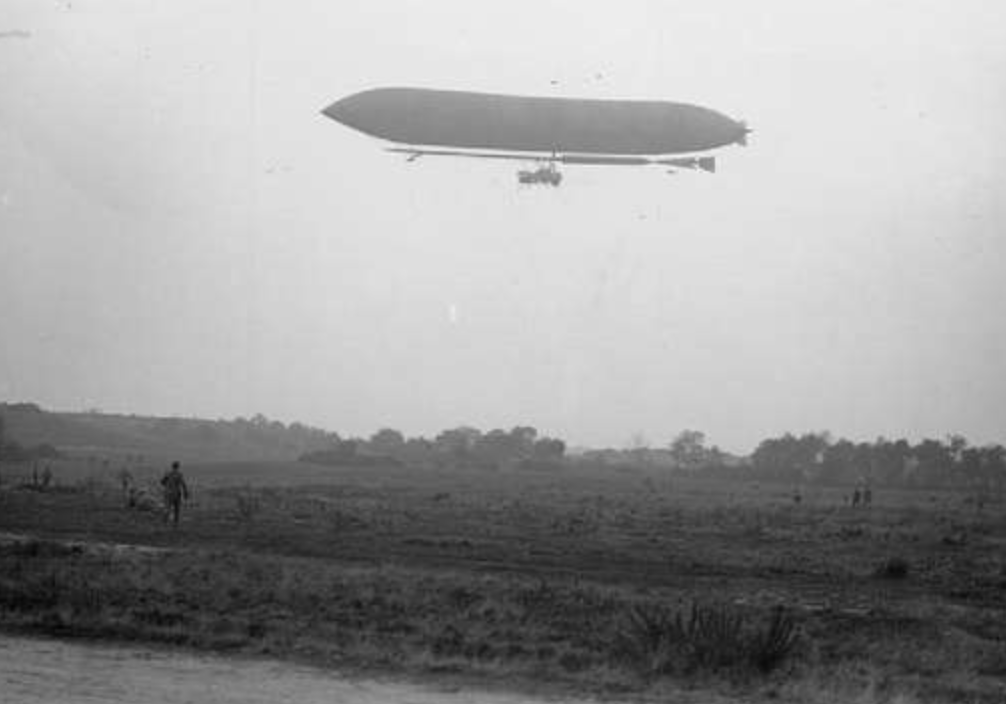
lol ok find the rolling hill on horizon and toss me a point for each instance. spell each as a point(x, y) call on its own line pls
point(90, 433)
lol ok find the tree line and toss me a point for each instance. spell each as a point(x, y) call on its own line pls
point(818, 458)
point(931, 463)
point(463, 446)
point(808, 458)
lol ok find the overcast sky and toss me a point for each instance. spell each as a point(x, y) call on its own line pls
point(182, 233)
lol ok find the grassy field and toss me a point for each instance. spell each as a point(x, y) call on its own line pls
point(602, 582)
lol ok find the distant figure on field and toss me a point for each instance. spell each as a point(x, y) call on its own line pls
point(175, 491)
point(855, 498)
point(797, 496)
point(126, 482)
point(867, 496)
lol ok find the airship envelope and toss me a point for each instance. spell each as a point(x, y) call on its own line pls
point(510, 123)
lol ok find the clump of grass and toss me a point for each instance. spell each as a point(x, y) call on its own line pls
point(892, 568)
point(39, 549)
point(706, 638)
point(248, 506)
point(771, 646)
point(38, 575)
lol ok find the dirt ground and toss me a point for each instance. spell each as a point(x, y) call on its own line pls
point(45, 671)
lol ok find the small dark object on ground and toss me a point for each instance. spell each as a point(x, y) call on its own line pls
point(892, 568)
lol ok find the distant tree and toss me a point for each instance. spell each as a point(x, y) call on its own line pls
point(956, 446)
point(341, 452)
point(688, 449)
point(969, 468)
point(934, 463)
point(994, 467)
point(838, 465)
point(386, 441)
point(456, 443)
point(888, 461)
point(304, 438)
point(548, 450)
point(347, 449)
point(791, 458)
point(523, 437)
point(715, 457)
point(346, 453)
point(496, 447)
point(417, 451)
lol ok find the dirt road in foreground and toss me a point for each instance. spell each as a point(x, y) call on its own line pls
point(37, 670)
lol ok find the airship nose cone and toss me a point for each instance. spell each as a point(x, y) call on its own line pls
point(341, 111)
point(356, 110)
point(372, 112)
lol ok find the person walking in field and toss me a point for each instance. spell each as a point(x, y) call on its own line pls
point(175, 491)
point(127, 483)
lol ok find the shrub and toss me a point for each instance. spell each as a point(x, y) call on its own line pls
point(648, 634)
point(770, 648)
point(711, 638)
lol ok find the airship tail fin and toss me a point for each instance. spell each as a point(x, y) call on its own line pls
point(706, 163)
point(743, 138)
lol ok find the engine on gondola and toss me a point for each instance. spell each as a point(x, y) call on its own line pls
point(544, 175)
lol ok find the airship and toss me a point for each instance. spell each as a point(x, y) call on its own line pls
point(546, 131)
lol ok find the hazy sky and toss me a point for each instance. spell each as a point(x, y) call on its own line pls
point(181, 231)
